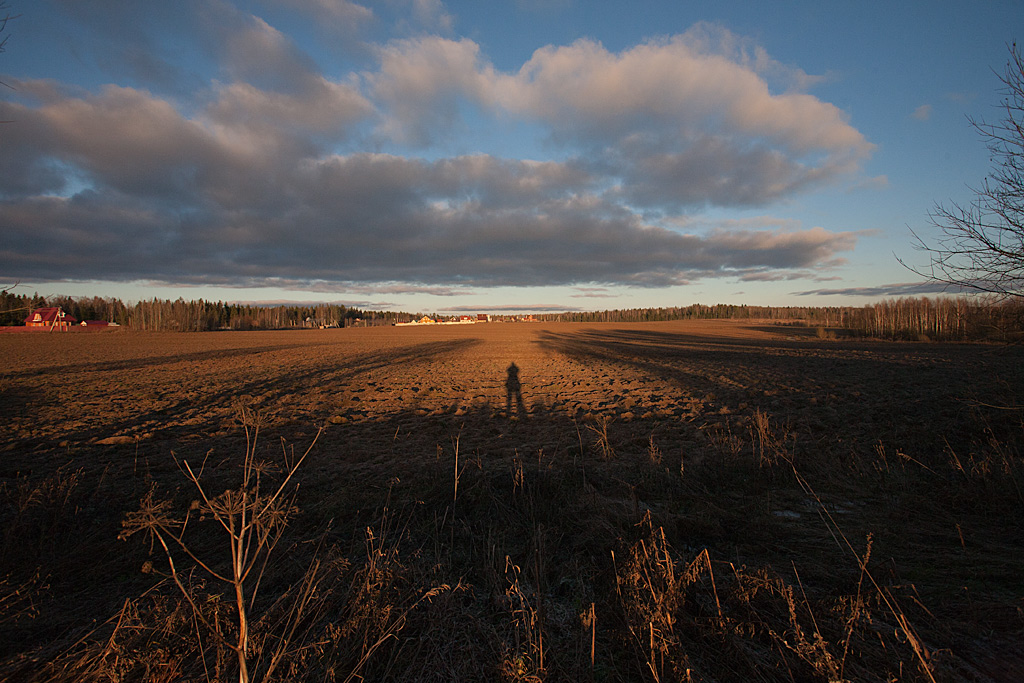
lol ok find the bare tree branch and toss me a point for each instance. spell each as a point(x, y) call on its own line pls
point(982, 244)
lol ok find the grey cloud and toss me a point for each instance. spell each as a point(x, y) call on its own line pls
point(784, 250)
point(773, 276)
point(183, 204)
point(320, 108)
point(257, 53)
point(891, 290)
point(144, 65)
point(713, 170)
point(256, 57)
point(248, 192)
point(123, 138)
point(87, 237)
point(339, 15)
point(349, 303)
point(468, 247)
point(131, 142)
point(345, 287)
point(514, 308)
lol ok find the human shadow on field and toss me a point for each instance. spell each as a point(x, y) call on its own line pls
point(514, 390)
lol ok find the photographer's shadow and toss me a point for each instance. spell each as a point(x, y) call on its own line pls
point(514, 392)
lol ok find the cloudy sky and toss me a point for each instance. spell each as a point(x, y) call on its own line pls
point(464, 156)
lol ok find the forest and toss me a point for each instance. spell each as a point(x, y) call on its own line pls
point(161, 315)
point(909, 318)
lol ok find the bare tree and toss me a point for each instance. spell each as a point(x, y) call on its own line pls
point(982, 244)
point(6, 16)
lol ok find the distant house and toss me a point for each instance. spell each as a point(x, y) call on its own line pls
point(97, 324)
point(53, 318)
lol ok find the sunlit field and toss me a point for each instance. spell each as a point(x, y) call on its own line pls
point(699, 500)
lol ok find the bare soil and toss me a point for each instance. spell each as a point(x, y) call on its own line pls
point(761, 443)
point(76, 390)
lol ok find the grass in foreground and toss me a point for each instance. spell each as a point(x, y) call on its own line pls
point(616, 552)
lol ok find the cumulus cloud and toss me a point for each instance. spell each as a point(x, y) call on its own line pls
point(683, 84)
point(682, 121)
point(420, 84)
point(269, 177)
point(923, 113)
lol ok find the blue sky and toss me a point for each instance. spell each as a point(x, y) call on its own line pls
point(470, 156)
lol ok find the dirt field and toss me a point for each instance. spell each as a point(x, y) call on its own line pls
point(768, 447)
point(77, 390)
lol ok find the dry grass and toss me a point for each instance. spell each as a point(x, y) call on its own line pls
point(738, 532)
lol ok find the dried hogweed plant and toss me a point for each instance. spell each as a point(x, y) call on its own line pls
point(252, 516)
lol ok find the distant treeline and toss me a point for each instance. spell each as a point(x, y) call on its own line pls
point(942, 319)
point(816, 315)
point(157, 315)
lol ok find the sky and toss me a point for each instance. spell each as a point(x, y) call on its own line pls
point(528, 155)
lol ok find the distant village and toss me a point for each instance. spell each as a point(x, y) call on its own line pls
point(56, 319)
point(467, 319)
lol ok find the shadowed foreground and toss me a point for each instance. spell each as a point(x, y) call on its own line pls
point(707, 501)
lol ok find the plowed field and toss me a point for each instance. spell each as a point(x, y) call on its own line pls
point(763, 444)
point(152, 390)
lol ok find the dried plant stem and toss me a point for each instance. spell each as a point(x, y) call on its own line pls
point(920, 650)
point(254, 520)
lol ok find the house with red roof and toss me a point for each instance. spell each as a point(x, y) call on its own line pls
point(53, 318)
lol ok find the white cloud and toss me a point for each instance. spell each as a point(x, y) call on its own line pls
point(681, 121)
point(675, 86)
point(420, 83)
point(923, 113)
